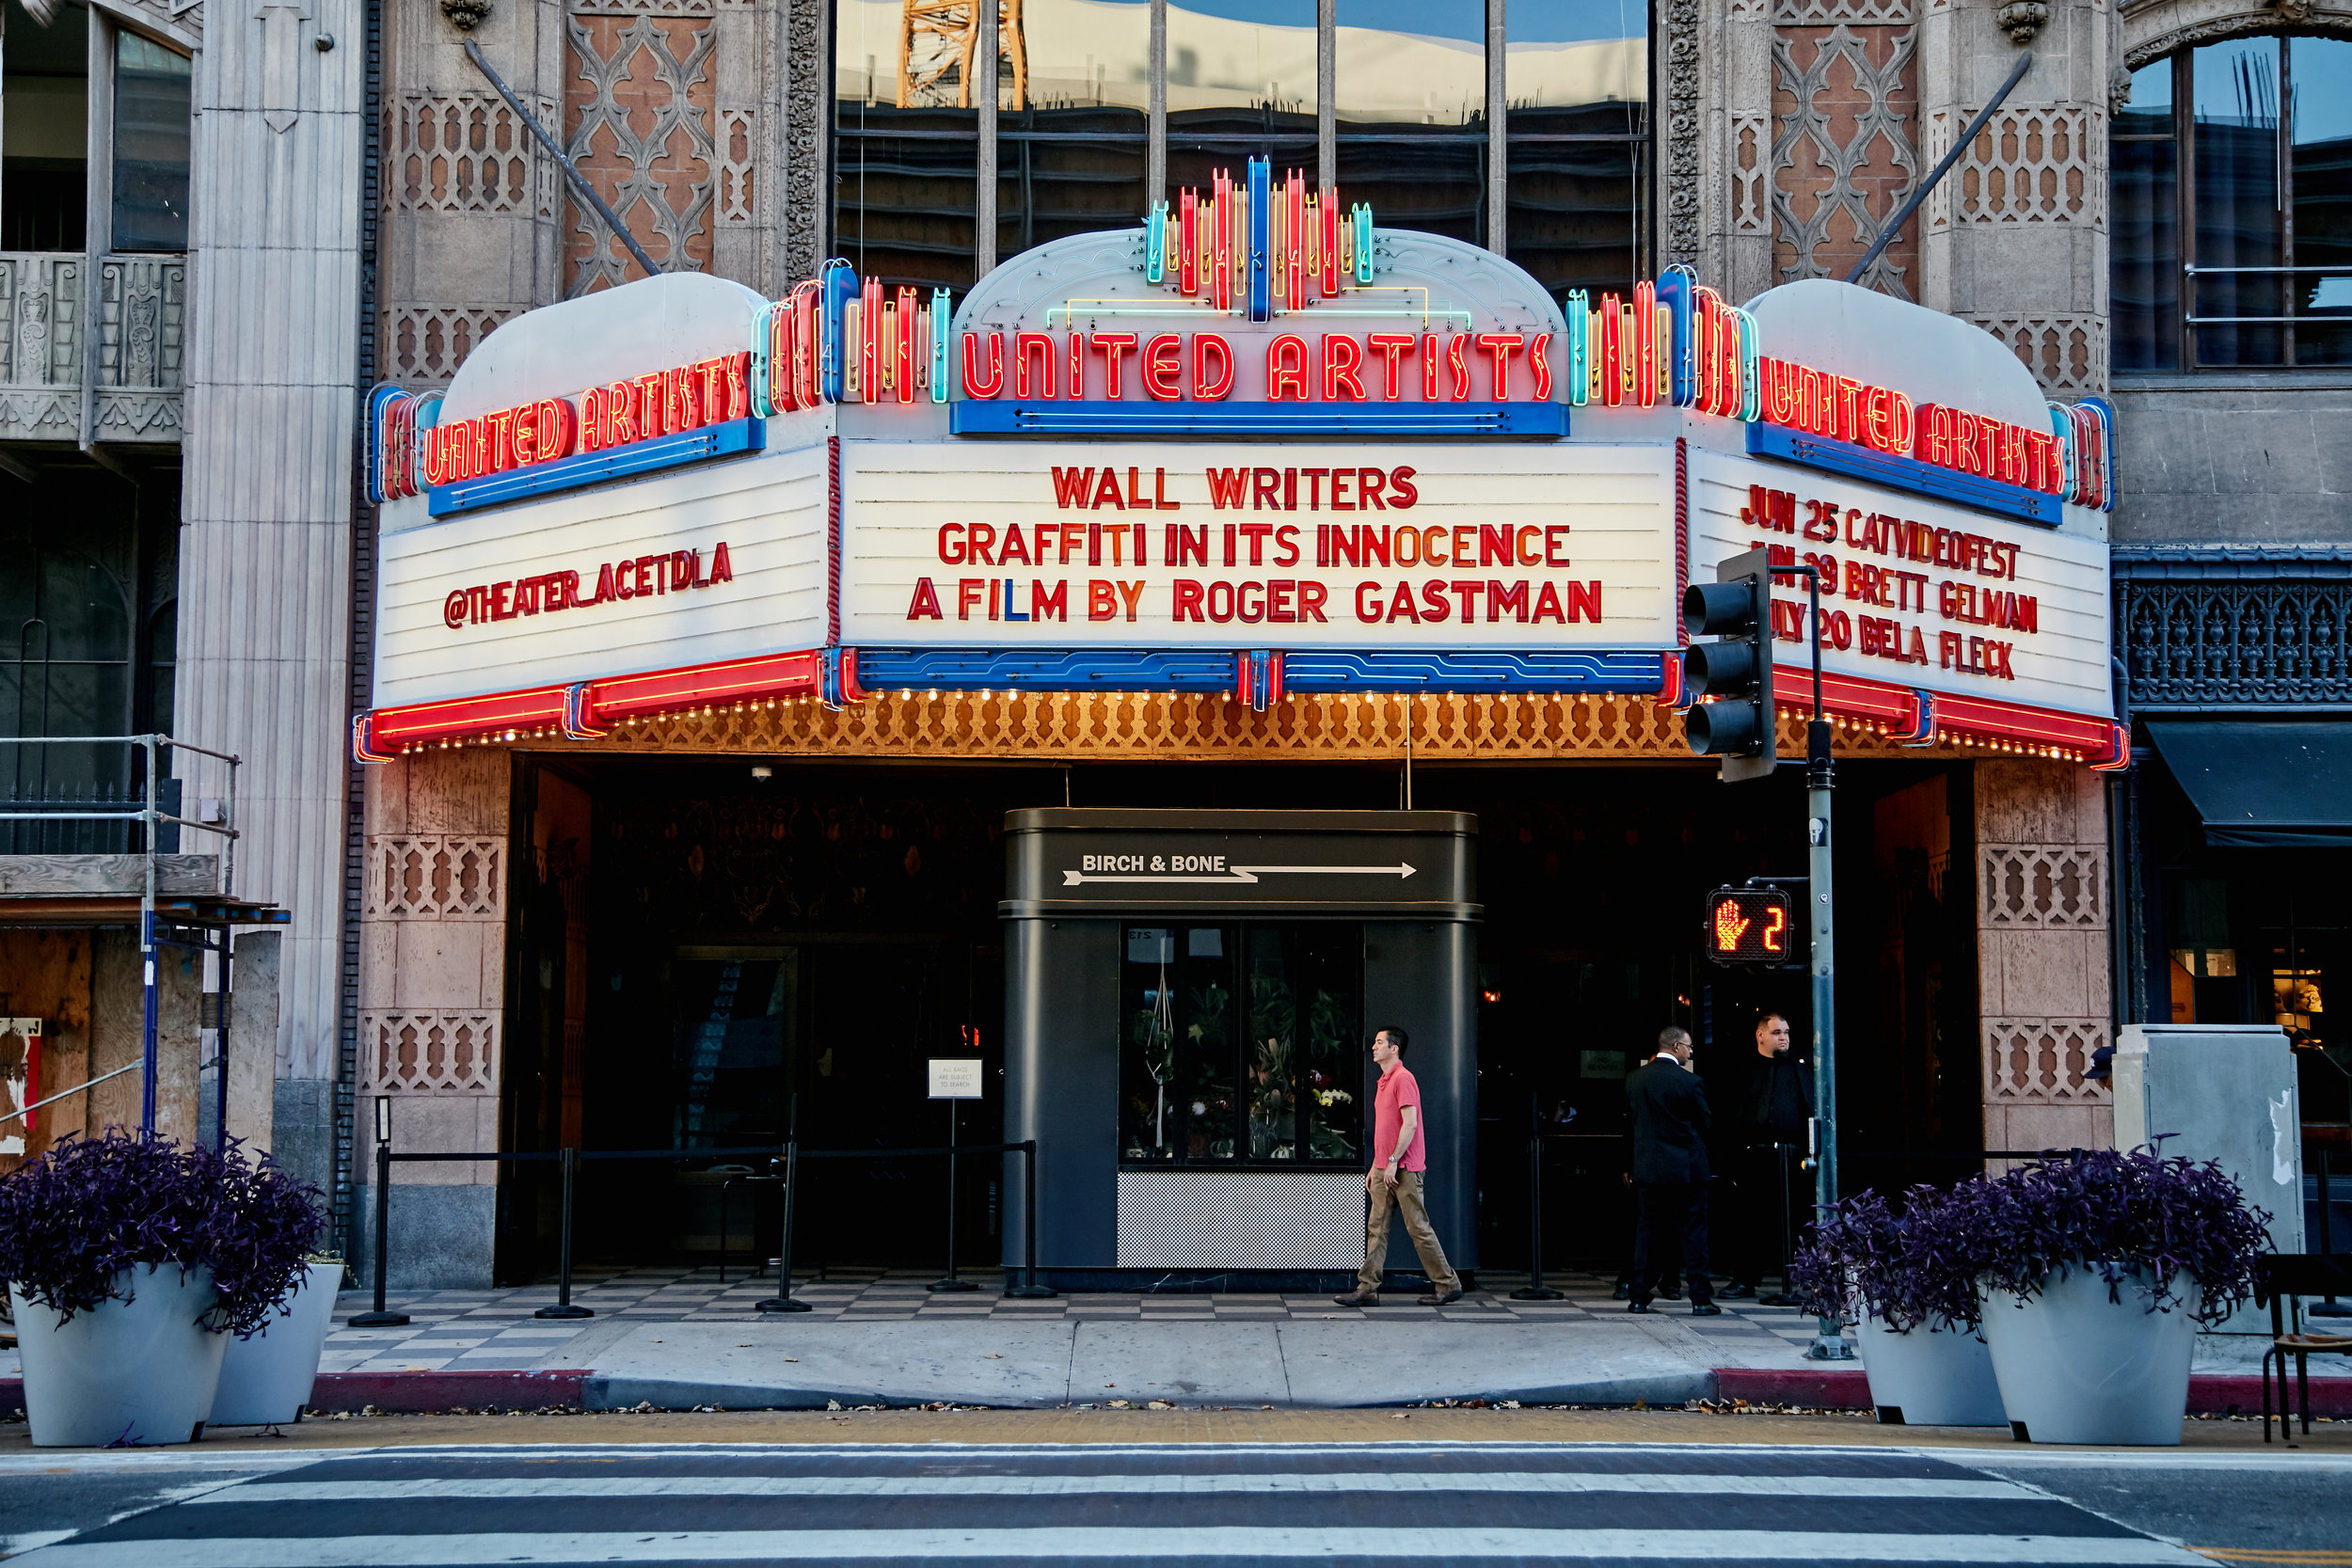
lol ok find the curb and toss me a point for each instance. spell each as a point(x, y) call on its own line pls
point(582, 1388)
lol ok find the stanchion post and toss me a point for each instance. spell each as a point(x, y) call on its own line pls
point(1537, 1289)
point(564, 1307)
point(379, 1318)
point(782, 1301)
point(950, 1281)
point(1029, 1290)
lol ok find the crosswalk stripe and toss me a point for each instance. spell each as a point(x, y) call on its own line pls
point(1117, 1545)
point(1518, 1483)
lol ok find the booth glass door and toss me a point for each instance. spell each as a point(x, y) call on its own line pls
point(1242, 1045)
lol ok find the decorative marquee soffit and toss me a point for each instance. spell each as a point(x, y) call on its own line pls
point(1257, 451)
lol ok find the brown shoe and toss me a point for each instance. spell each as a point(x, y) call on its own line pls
point(1358, 1298)
point(1448, 1299)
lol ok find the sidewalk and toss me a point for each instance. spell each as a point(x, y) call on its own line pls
point(679, 1338)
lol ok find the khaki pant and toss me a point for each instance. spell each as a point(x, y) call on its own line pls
point(1404, 1197)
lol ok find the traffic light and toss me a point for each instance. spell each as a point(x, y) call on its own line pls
point(1735, 673)
point(1750, 925)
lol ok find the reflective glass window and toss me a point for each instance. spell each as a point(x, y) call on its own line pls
point(1241, 66)
point(151, 151)
point(906, 164)
point(1576, 64)
point(2145, 282)
point(2239, 216)
point(1419, 63)
point(44, 134)
point(2320, 74)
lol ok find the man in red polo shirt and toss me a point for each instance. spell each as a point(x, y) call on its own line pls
point(1399, 1155)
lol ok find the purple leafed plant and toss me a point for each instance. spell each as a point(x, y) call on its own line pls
point(1901, 1265)
point(74, 1220)
point(2136, 1216)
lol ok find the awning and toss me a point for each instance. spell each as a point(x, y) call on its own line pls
point(2264, 786)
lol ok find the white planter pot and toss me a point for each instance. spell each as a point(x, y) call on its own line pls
point(266, 1380)
point(1919, 1378)
point(2076, 1367)
point(136, 1371)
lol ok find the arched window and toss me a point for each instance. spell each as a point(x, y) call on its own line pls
point(2233, 207)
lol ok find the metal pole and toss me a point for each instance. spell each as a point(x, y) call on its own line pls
point(1829, 1342)
point(147, 952)
point(220, 1047)
point(380, 1318)
point(564, 1307)
point(1967, 139)
point(1029, 1290)
point(1537, 1289)
point(782, 1301)
point(950, 1281)
point(579, 183)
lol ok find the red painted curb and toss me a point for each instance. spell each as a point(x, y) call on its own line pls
point(416, 1392)
point(1814, 1390)
point(410, 1392)
point(1825, 1389)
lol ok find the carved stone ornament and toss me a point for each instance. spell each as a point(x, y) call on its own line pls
point(466, 15)
point(2020, 18)
point(2293, 10)
point(2119, 90)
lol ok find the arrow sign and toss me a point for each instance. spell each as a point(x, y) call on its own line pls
point(1237, 875)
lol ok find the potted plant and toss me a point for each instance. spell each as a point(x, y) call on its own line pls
point(1902, 1276)
point(267, 1375)
point(130, 1262)
point(2095, 1272)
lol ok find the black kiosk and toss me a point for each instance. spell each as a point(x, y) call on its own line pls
point(1190, 1002)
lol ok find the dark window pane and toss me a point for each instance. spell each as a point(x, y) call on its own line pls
point(1049, 187)
point(1579, 213)
point(1191, 163)
point(1241, 66)
point(152, 115)
point(903, 205)
point(44, 148)
point(2236, 200)
point(1576, 66)
point(2145, 277)
point(1410, 62)
point(2320, 70)
point(1437, 183)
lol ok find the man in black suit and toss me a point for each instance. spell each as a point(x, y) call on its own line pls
point(1670, 1128)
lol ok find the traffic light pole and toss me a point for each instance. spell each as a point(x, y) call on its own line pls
point(1829, 1339)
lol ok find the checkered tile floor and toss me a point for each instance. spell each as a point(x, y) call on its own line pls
point(495, 1329)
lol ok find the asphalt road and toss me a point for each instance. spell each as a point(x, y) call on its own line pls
point(1130, 1504)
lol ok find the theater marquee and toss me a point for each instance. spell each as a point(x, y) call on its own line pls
point(1258, 446)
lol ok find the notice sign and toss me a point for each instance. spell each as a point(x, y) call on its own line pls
point(954, 1077)
point(1140, 544)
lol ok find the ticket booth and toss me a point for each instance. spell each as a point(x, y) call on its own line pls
point(1190, 997)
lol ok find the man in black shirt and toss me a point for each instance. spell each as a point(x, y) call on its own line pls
point(1768, 1133)
point(1670, 1171)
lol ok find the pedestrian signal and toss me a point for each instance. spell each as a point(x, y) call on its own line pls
point(1750, 925)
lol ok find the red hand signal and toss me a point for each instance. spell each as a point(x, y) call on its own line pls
point(1731, 926)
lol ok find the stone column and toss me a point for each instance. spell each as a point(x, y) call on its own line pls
point(266, 491)
point(2016, 238)
point(2042, 953)
point(432, 1002)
